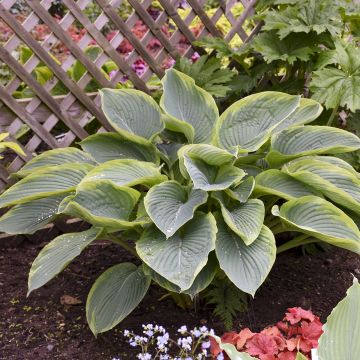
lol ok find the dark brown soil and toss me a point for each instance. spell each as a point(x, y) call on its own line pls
point(40, 327)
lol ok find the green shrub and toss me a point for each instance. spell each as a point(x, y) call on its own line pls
point(196, 191)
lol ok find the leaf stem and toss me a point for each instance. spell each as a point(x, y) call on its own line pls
point(302, 239)
point(123, 244)
point(332, 116)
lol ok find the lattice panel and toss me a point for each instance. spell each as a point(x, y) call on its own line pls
point(90, 36)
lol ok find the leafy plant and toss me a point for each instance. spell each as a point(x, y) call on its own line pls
point(9, 145)
point(296, 335)
point(212, 197)
point(335, 340)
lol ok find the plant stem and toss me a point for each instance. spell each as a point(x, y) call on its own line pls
point(123, 244)
point(332, 116)
point(278, 228)
point(302, 239)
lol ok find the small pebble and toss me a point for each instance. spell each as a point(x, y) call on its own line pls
point(50, 347)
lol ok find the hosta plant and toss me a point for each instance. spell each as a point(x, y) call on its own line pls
point(189, 192)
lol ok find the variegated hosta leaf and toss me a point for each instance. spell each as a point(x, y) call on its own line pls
point(47, 182)
point(246, 220)
point(338, 184)
point(180, 258)
point(246, 266)
point(56, 255)
point(54, 158)
point(335, 161)
point(307, 112)
point(248, 123)
point(132, 113)
point(209, 177)
point(201, 282)
point(275, 182)
point(31, 216)
point(243, 191)
point(110, 146)
point(179, 126)
point(114, 295)
point(127, 173)
point(342, 329)
point(102, 203)
point(310, 140)
point(171, 205)
point(185, 101)
point(322, 220)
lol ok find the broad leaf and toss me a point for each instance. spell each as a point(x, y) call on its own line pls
point(310, 140)
point(278, 183)
point(171, 205)
point(291, 49)
point(342, 329)
point(185, 101)
point(55, 181)
point(322, 220)
point(246, 266)
point(114, 295)
point(110, 146)
point(245, 219)
point(180, 258)
point(249, 122)
point(335, 86)
point(56, 255)
point(338, 184)
point(201, 282)
point(307, 112)
point(243, 191)
point(132, 113)
point(305, 17)
point(209, 177)
point(31, 216)
point(56, 157)
point(102, 203)
point(127, 173)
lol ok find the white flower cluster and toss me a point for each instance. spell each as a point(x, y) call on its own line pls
point(155, 343)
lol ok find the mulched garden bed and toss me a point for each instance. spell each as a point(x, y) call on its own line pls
point(41, 327)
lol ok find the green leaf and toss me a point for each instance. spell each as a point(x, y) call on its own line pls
point(335, 86)
point(278, 183)
point(78, 69)
point(342, 329)
point(186, 102)
point(132, 113)
point(310, 140)
point(300, 356)
point(305, 17)
point(171, 205)
point(248, 123)
point(114, 295)
point(31, 216)
point(179, 127)
point(243, 191)
point(246, 266)
point(44, 183)
point(125, 172)
point(56, 255)
point(307, 112)
point(201, 282)
point(102, 203)
point(110, 146)
point(337, 184)
point(245, 219)
point(211, 178)
point(180, 258)
point(294, 47)
point(56, 157)
point(231, 351)
point(322, 220)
